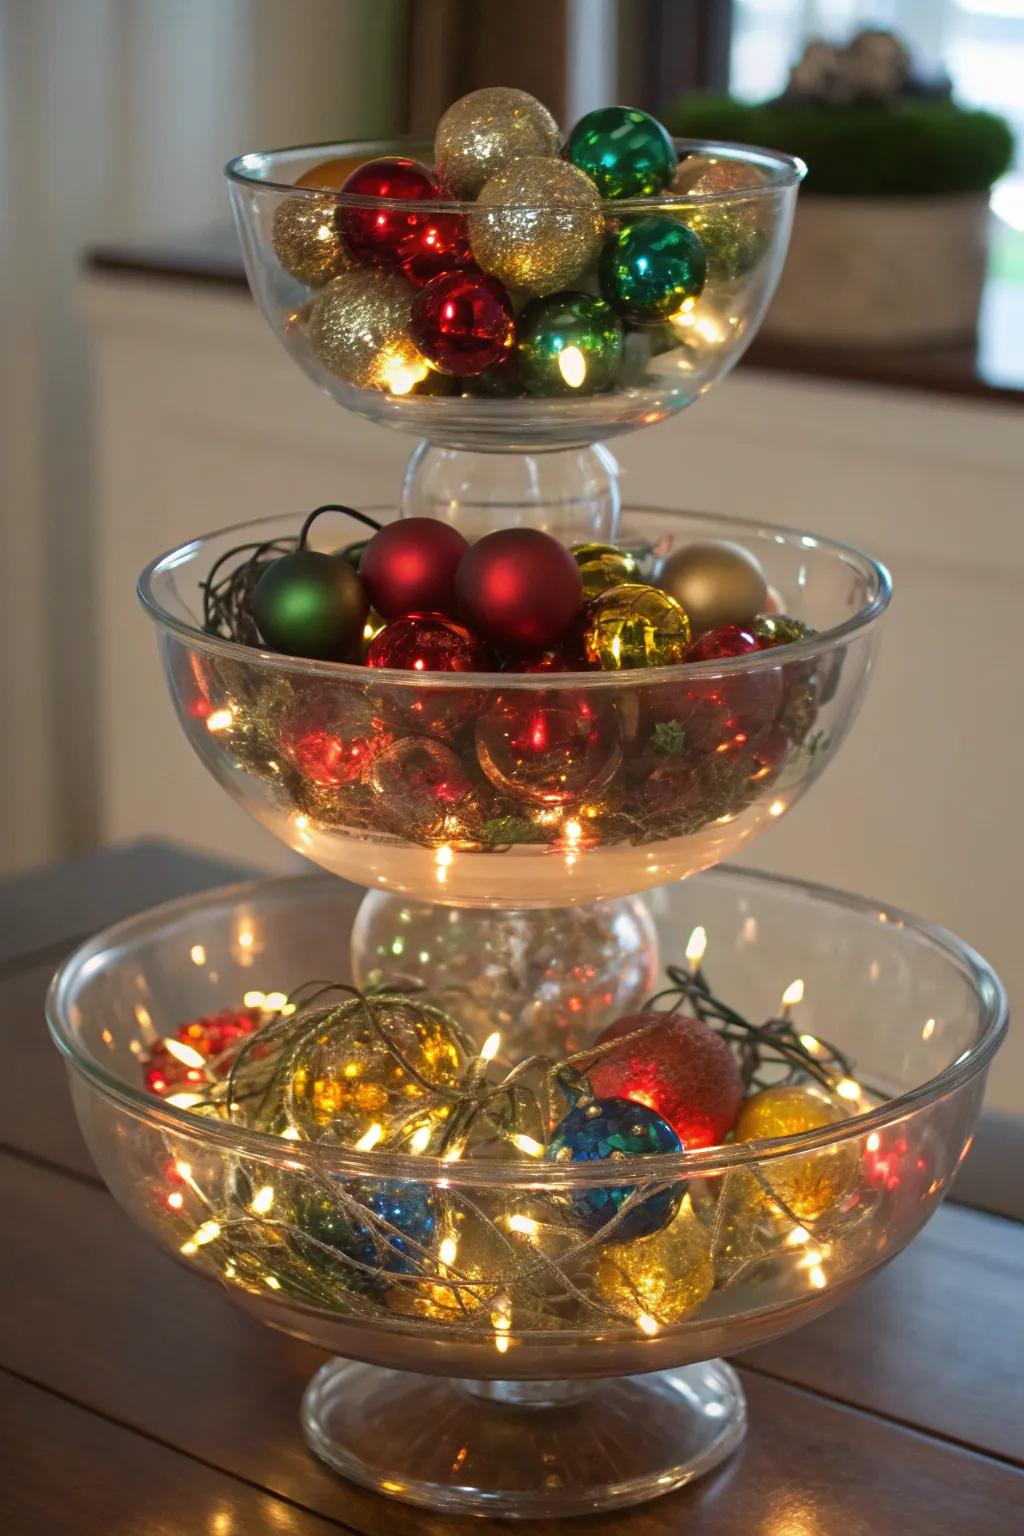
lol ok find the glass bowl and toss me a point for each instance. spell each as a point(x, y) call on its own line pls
point(349, 325)
point(413, 783)
point(498, 1366)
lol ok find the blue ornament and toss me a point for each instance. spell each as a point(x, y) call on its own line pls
point(597, 1129)
point(408, 1208)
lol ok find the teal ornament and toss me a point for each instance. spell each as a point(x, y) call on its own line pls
point(383, 1224)
point(569, 343)
point(310, 604)
point(651, 267)
point(599, 1129)
point(625, 152)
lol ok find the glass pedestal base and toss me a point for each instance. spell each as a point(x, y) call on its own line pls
point(523, 1450)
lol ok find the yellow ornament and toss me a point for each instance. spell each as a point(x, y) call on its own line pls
point(359, 329)
point(809, 1183)
point(475, 1269)
point(484, 132)
point(656, 1281)
point(717, 582)
point(603, 566)
point(306, 240)
point(633, 625)
point(537, 225)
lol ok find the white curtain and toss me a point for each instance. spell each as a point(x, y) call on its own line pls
point(116, 117)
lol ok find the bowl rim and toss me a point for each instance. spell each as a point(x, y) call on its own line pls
point(783, 170)
point(328, 1160)
point(873, 571)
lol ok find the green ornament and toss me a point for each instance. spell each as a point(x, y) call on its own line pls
point(603, 566)
point(569, 344)
point(651, 267)
point(310, 604)
point(635, 626)
point(625, 152)
point(779, 629)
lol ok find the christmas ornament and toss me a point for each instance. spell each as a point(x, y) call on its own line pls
point(723, 644)
point(662, 1278)
point(717, 582)
point(169, 1070)
point(429, 642)
point(568, 344)
point(726, 716)
point(771, 629)
point(440, 244)
point(635, 626)
point(734, 233)
point(333, 738)
point(376, 233)
point(306, 239)
point(625, 152)
point(310, 604)
point(651, 268)
point(537, 225)
point(359, 329)
point(601, 1129)
point(330, 175)
point(383, 1224)
point(423, 790)
point(673, 788)
point(351, 1072)
point(809, 1183)
point(603, 566)
point(558, 658)
point(467, 1272)
point(680, 1068)
point(552, 748)
point(410, 565)
point(486, 131)
point(519, 588)
point(462, 323)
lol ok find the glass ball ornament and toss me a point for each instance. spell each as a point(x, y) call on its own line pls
point(333, 737)
point(472, 1268)
point(625, 152)
point(608, 1129)
point(734, 233)
point(603, 566)
point(347, 1075)
point(809, 1183)
point(633, 625)
point(716, 581)
point(549, 748)
point(422, 789)
point(722, 644)
point(537, 225)
point(310, 604)
point(359, 329)
point(463, 323)
point(409, 566)
point(568, 343)
point(680, 1068)
point(651, 268)
point(662, 1278)
point(482, 133)
point(307, 241)
point(425, 643)
point(377, 235)
point(383, 1225)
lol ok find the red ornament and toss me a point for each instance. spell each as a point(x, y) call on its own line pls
point(166, 1073)
point(334, 740)
point(557, 660)
point(429, 642)
point(441, 244)
point(549, 748)
point(409, 566)
point(721, 644)
point(422, 787)
point(383, 236)
point(724, 715)
point(463, 323)
point(682, 1070)
point(520, 588)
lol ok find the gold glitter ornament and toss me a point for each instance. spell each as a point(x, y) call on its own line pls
point(603, 566)
point(537, 225)
point(717, 582)
point(809, 1183)
point(658, 1280)
point(633, 625)
point(486, 131)
point(359, 329)
point(306, 240)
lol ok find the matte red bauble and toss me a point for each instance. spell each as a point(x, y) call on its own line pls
point(682, 1070)
point(463, 323)
point(429, 642)
point(380, 236)
point(334, 742)
point(519, 588)
point(549, 748)
point(409, 566)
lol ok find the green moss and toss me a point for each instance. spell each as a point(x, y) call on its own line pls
point(902, 148)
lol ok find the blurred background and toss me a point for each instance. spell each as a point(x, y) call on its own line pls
point(142, 401)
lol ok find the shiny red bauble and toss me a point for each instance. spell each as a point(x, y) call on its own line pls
point(421, 243)
point(549, 748)
point(333, 741)
point(463, 323)
point(682, 1070)
point(426, 643)
point(723, 644)
point(409, 566)
point(520, 589)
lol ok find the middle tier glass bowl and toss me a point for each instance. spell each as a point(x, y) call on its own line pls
point(540, 1334)
point(414, 783)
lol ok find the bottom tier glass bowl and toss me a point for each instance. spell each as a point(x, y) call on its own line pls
point(511, 1362)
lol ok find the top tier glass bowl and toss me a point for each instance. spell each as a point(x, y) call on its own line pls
point(420, 783)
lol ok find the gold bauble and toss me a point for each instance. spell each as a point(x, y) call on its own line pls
point(664, 1277)
point(603, 566)
point(474, 1268)
point(633, 625)
point(703, 174)
point(331, 175)
point(734, 232)
point(359, 329)
point(716, 582)
point(537, 225)
point(484, 132)
point(306, 240)
point(809, 1183)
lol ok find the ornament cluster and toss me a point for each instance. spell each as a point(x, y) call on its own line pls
point(489, 765)
point(504, 268)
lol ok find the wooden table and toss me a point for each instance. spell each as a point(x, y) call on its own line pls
point(135, 1400)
